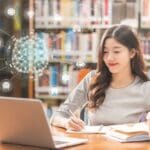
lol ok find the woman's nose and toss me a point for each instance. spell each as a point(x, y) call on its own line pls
point(110, 56)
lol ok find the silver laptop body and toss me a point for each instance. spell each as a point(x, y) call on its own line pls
point(23, 121)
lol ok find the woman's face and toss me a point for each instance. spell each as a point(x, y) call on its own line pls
point(116, 56)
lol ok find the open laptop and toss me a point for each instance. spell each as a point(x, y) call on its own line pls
point(23, 121)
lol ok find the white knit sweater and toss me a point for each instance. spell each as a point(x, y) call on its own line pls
point(122, 105)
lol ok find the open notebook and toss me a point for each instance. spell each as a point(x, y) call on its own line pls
point(129, 132)
point(89, 129)
point(23, 121)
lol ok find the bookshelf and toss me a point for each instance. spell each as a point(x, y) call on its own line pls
point(144, 12)
point(144, 28)
point(72, 29)
point(67, 26)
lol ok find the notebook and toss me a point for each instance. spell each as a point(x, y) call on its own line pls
point(89, 129)
point(129, 132)
point(23, 121)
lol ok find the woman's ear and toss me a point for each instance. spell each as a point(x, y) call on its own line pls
point(132, 53)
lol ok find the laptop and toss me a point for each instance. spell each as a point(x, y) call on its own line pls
point(24, 121)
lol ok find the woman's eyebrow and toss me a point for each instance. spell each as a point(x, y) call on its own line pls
point(115, 47)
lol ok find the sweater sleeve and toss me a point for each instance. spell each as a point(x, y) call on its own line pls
point(146, 94)
point(76, 98)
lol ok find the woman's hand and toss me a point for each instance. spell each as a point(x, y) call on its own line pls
point(74, 123)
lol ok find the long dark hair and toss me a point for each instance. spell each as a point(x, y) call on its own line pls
point(101, 81)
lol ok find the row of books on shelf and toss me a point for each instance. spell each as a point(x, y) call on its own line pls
point(73, 11)
point(145, 7)
point(145, 43)
point(89, 12)
point(145, 13)
point(83, 12)
point(59, 79)
point(70, 43)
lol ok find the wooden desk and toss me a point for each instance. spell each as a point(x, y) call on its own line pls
point(96, 142)
point(99, 142)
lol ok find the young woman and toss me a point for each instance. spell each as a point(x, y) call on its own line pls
point(118, 91)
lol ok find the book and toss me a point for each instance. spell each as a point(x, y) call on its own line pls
point(44, 79)
point(132, 132)
point(88, 129)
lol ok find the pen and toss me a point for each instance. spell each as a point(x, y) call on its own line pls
point(78, 121)
point(72, 114)
point(84, 105)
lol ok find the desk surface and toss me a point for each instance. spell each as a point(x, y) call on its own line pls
point(96, 142)
point(100, 142)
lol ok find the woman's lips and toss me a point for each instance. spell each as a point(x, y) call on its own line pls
point(112, 64)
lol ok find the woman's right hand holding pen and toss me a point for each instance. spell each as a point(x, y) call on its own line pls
point(74, 123)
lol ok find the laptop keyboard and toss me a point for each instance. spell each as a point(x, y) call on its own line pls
point(60, 142)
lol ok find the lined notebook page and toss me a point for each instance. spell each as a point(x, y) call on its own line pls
point(88, 129)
